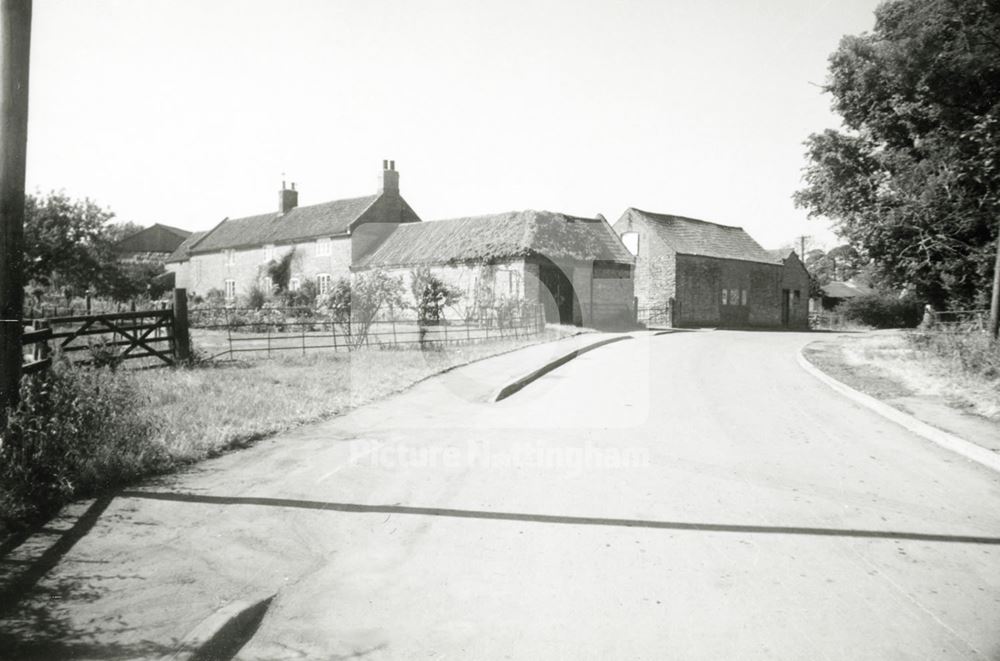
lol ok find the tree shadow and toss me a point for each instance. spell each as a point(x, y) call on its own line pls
point(34, 614)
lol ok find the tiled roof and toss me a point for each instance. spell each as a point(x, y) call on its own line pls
point(689, 236)
point(326, 219)
point(182, 252)
point(155, 238)
point(499, 236)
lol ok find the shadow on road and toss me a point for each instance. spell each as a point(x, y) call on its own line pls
point(569, 520)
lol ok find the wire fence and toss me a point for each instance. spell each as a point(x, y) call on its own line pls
point(228, 331)
point(653, 317)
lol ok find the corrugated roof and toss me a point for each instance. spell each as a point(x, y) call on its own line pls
point(497, 237)
point(326, 219)
point(182, 254)
point(690, 236)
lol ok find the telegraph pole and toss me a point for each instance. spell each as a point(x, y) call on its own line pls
point(15, 46)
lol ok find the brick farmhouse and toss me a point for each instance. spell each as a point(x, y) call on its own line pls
point(705, 274)
point(576, 268)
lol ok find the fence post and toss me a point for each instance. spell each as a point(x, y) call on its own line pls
point(41, 350)
point(182, 337)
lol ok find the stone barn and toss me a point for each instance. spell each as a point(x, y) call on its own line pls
point(576, 268)
point(705, 274)
point(152, 244)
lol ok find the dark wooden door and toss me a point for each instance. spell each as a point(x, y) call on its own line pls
point(785, 312)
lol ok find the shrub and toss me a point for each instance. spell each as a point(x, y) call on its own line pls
point(75, 431)
point(883, 311)
point(256, 298)
point(356, 305)
point(973, 353)
point(431, 294)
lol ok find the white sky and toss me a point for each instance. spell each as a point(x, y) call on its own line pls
point(187, 111)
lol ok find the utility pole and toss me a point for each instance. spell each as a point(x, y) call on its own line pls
point(995, 300)
point(15, 46)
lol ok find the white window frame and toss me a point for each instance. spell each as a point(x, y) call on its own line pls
point(269, 253)
point(627, 238)
point(267, 284)
point(725, 297)
point(294, 284)
point(230, 289)
point(324, 247)
point(324, 283)
point(743, 296)
point(230, 257)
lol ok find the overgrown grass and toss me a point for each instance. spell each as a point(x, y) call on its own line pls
point(972, 353)
point(903, 364)
point(79, 431)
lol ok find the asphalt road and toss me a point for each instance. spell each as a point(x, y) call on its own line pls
point(695, 495)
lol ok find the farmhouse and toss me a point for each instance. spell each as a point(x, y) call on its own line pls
point(705, 274)
point(576, 268)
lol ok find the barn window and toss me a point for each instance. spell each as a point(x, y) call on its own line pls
point(743, 296)
point(631, 241)
point(323, 281)
point(324, 247)
point(230, 290)
point(725, 297)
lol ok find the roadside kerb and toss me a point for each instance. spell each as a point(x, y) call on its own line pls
point(506, 391)
point(940, 437)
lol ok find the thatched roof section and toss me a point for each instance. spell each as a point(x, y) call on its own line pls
point(689, 236)
point(499, 237)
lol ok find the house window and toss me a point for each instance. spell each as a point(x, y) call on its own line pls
point(230, 290)
point(230, 257)
point(631, 241)
point(323, 281)
point(294, 284)
point(267, 283)
point(268, 253)
point(743, 297)
point(324, 247)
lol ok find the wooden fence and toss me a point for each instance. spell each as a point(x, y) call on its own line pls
point(158, 335)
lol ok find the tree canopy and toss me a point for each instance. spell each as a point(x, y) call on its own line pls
point(68, 245)
point(912, 181)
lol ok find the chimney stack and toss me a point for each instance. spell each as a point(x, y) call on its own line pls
point(288, 199)
point(390, 178)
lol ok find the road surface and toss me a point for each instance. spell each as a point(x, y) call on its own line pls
point(694, 495)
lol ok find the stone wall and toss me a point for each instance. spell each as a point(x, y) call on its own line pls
point(655, 265)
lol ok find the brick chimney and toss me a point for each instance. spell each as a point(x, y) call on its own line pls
point(288, 199)
point(390, 178)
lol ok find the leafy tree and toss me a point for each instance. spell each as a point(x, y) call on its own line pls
point(431, 294)
point(913, 182)
point(65, 242)
point(115, 232)
point(841, 263)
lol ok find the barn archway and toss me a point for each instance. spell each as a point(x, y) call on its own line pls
point(557, 293)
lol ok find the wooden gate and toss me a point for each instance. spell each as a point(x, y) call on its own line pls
point(124, 336)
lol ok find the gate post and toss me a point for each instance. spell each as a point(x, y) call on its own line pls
point(182, 337)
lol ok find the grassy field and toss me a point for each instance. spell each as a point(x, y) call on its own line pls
point(901, 364)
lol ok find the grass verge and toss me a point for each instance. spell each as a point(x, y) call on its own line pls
point(82, 431)
point(898, 365)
